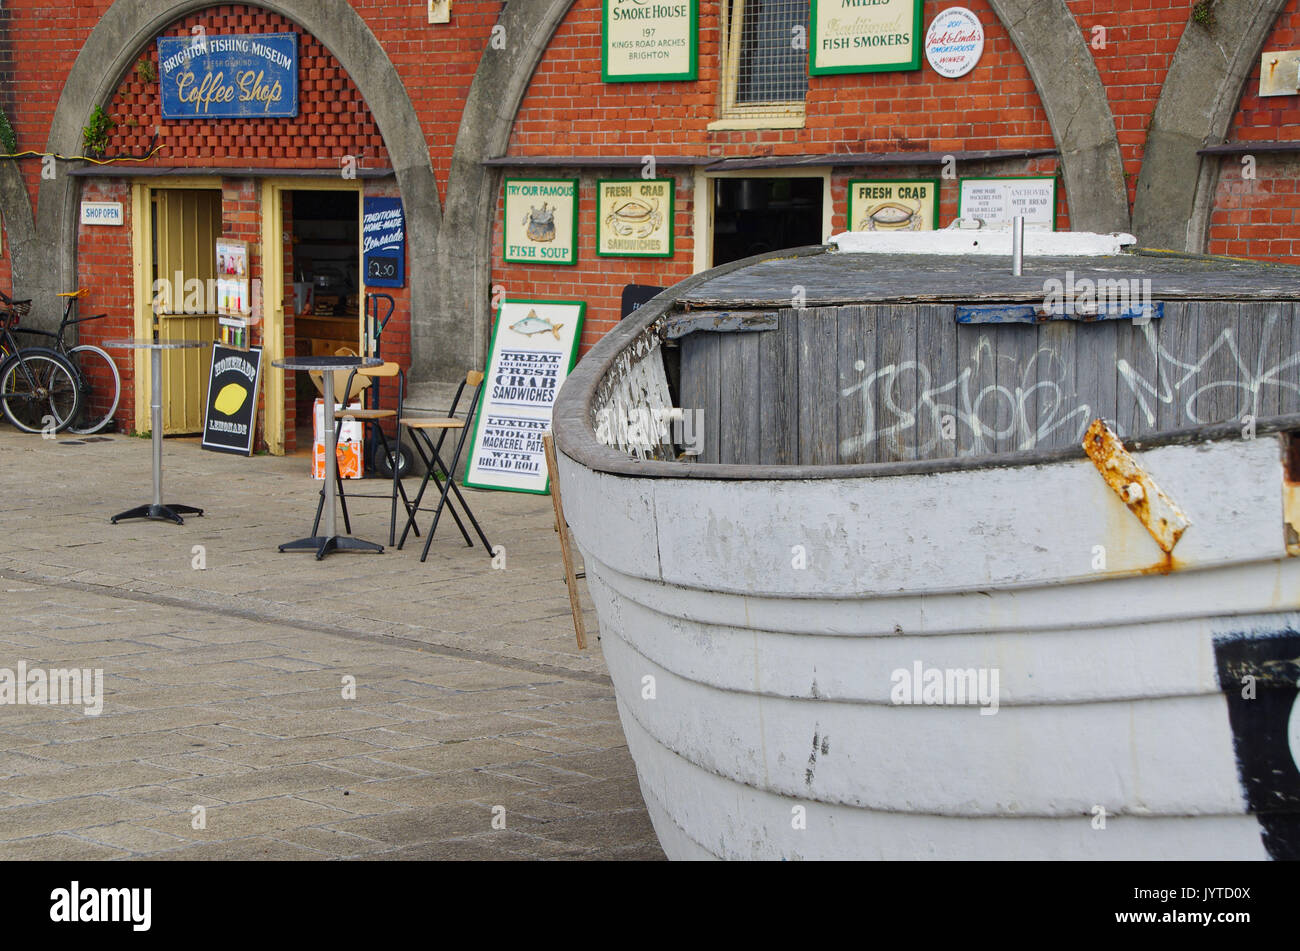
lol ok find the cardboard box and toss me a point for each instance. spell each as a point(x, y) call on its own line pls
point(350, 451)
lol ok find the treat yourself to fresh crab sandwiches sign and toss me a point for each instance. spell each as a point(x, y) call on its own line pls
point(541, 221)
point(533, 349)
point(634, 218)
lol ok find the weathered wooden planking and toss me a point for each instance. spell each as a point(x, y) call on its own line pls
point(1059, 412)
point(701, 358)
point(1262, 329)
point(778, 392)
point(1016, 373)
point(1096, 355)
point(936, 350)
point(1135, 374)
point(855, 427)
point(897, 387)
point(976, 377)
point(1288, 371)
point(1218, 396)
point(1177, 354)
point(819, 396)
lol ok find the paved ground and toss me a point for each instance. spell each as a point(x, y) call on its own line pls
point(224, 685)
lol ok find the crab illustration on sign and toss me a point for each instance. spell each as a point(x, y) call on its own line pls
point(892, 216)
point(532, 324)
point(635, 216)
point(541, 223)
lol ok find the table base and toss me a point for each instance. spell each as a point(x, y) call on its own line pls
point(324, 544)
point(159, 513)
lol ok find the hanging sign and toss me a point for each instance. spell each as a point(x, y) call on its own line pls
point(998, 200)
point(634, 218)
point(865, 36)
point(541, 221)
point(954, 42)
point(383, 242)
point(893, 205)
point(253, 75)
point(533, 349)
point(231, 416)
point(649, 40)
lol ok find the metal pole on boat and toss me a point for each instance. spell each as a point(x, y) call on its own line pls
point(1018, 245)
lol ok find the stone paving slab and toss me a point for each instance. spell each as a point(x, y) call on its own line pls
point(266, 706)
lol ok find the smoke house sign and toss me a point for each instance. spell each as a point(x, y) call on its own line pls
point(865, 36)
point(649, 40)
point(541, 221)
point(954, 43)
point(228, 76)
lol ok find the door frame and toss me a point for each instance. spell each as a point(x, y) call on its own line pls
point(273, 289)
point(704, 197)
point(142, 267)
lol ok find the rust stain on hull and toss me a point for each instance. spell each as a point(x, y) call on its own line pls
point(1136, 489)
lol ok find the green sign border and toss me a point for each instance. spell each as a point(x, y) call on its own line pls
point(918, 41)
point(505, 218)
point(691, 73)
point(482, 402)
point(1056, 191)
point(600, 218)
point(933, 182)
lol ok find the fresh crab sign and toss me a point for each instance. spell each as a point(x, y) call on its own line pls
point(634, 218)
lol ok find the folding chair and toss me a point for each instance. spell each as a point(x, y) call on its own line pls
point(434, 466)
point(367, 417)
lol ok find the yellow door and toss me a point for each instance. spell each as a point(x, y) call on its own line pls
point(187, 224)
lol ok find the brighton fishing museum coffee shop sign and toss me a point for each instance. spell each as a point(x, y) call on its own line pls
point(213, 76)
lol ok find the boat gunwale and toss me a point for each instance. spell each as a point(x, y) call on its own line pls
point(575, 434)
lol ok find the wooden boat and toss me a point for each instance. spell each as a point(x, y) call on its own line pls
point(863, 594)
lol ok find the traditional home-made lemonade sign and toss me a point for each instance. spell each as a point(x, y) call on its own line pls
point(998, 200)
point(541, 221)
point(251, 75)
point(865, 36)
point(634, 218)
point(893, 205)
point(533, 349)
point(649, 40)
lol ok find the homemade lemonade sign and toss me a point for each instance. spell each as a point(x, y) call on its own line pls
point(893, 205)
point(865, 36)
point(533, 348)
point(228, 76)
point(998, 200)
point(541, 221)
point(231, 417)
point(634, 218)
point(645, 40)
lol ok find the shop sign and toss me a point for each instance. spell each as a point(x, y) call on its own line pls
point(634, 295)
point(955, 42)
point(383, 242)
point(101, 213)
point(649, 40)
point(865, 36)
point(533, 349)
point(998, 200)
point(889, 205)
point(250, 75)
point(231, 416)
point(541, 221)
point(634, 217)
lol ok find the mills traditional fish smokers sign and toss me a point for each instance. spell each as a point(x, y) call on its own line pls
point(864, 594)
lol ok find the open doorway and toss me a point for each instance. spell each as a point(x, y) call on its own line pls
point(755, 215)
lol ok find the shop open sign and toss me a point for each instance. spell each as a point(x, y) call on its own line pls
point(228, 76)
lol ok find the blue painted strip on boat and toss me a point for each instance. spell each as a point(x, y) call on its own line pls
point(1031, 314)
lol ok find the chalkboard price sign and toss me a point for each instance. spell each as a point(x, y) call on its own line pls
point(383, 242)
point(382, 268)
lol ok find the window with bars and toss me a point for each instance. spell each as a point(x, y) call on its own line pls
point(764, 58)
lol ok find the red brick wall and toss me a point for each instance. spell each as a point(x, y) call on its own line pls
point(104, 258)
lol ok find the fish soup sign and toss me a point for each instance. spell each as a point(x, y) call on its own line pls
point(893, 205)
point(533, 350)
point(253, 75)
point(541, 221)
point(634, 218)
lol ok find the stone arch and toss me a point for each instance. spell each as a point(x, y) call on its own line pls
point(1197, 102)
point(115, 43)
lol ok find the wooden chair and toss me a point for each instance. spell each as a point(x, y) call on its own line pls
point(420, 429)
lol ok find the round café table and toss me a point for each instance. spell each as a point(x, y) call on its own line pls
point(331, 540)
point(156, 510)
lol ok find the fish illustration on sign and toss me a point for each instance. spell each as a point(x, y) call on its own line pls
point(541, 223)
point(230, 399)
point(532, 324)
point(892, 216)
point(633, 215)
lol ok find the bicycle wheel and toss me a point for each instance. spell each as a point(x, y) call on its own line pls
point(38, 388)
point(101, 387)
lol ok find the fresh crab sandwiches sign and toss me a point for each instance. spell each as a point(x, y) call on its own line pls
point(634, 218)
point(533, 350)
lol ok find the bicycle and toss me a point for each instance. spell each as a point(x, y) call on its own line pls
point(39, 387)
point(89, 362)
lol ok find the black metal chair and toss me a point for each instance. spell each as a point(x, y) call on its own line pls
point(435, 468)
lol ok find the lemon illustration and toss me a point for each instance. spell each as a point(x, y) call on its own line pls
point(230, 398)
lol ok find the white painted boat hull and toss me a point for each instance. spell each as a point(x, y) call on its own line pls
point(760, 697)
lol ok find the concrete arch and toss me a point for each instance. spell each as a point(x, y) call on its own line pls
point(115, 43)
point(1200, 95)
